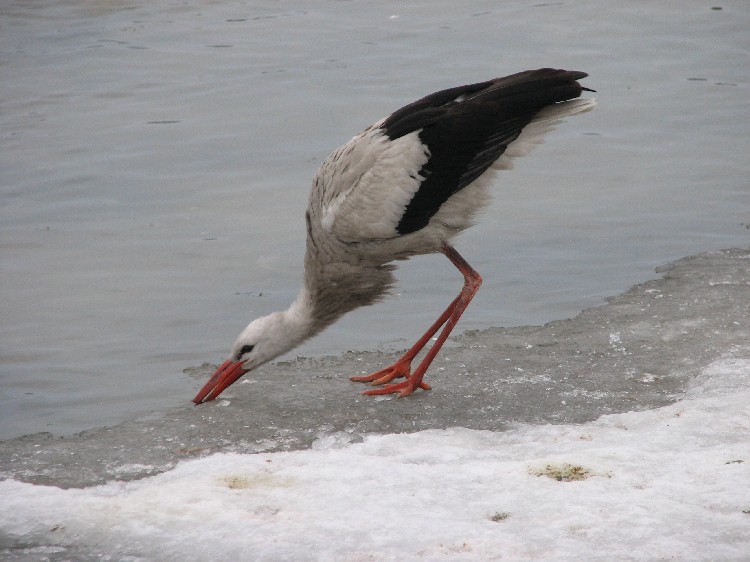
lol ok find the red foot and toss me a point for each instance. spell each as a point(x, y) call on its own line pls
point(397, 370)
point(447, 320)
point(404, 388)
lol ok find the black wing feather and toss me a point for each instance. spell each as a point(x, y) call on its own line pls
point(467, 128)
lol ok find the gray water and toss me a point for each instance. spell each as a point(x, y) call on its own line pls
point(155, 160)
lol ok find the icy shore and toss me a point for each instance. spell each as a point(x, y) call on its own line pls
point(623, 433)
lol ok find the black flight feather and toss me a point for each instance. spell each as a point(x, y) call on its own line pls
point(467, 128)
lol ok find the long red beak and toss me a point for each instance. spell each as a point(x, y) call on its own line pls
point(224, 376)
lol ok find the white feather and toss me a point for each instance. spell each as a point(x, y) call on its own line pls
point(544, 122)
point(368, 184)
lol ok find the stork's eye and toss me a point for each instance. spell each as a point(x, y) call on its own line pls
point(246, 349)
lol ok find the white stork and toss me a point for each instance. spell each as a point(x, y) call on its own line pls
point(402, 187)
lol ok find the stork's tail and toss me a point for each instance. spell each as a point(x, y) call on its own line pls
point(544, 122)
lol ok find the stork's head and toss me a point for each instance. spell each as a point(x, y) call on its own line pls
point(262, 340)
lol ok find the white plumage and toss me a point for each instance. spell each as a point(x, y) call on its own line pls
point(363, 188)
point(405, 186)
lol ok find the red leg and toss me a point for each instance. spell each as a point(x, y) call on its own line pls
point(402, 367)
point(449, 318)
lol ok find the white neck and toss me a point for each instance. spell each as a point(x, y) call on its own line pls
point(298, 320)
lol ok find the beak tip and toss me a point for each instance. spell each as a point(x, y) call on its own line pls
point(203, 396)
point(224, 376)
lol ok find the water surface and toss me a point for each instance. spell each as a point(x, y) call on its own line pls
point(155, 160)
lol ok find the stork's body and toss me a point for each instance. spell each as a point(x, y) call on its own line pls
point(404, 186)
